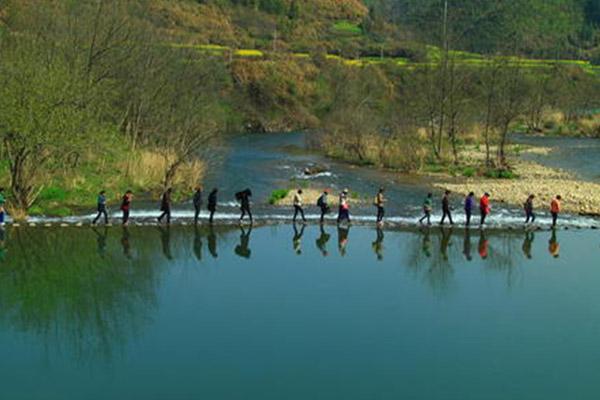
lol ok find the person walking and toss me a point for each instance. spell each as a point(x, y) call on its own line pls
point(212, 204)
point(446, 209)
point(298, 206)
point(555, 208)
point(244, 198)
point(469, 204)
point(323, 204)
point(528, 207)
point(427, 209)
point(126, 206)
point(101, 203)
point(484, 208)
point(165, 206)
point(197, 200)
point(2, 203)
point(379, 203)
point(344, 208)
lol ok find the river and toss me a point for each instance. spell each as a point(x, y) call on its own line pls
point(273, 312)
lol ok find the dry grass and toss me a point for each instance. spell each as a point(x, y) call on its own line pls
point(148, 171)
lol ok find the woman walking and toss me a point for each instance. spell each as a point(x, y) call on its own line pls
point(126, 206)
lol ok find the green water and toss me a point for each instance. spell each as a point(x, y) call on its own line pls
point(273, 314)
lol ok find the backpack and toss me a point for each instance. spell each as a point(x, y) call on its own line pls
point(320, 201)
point(239, 195)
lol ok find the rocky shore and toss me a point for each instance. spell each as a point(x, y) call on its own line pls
point(579, 197)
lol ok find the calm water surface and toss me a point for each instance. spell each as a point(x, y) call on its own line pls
point(278, 313)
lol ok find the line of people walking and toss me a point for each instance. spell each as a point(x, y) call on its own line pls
point(323, 204)
point(485, 209)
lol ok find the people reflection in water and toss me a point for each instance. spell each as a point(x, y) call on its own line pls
point(445, 242)
point(101, 241)
point(528, 243)
point(165, 239)
point(343, 232)
point(426, 243)
point(197, 243)
point(2, 244)
point(553, 245)
point(125, 242)
point(322, 240)
point(483, 245)
point(377, 245)
point(297, 239)
point(467, 245)
point(212, 242)
point(243, 249)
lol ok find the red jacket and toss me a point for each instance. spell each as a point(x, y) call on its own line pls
point(484, 205)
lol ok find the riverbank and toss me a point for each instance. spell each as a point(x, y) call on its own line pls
point(579, 196)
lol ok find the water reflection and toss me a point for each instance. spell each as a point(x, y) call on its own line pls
point(484, 245)
point(212, 242)
point(243, 249)
point(467, 245)
point(297, 238)
point(553, 245)
point(125, 243)
point(377, 245)
point(87, 290)
point(2, 244)
point(528, 244)
point(101, 240)
point(197, 243)
point(165, 240)
point(343, 232)
point(445, 242)
point(322, 240)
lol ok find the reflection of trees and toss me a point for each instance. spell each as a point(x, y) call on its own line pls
point(504, 257)
point(433, 266)
point(431, 255)
point(86, 292)
point(55, 285)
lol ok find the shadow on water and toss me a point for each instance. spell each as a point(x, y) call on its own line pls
point(91, 290)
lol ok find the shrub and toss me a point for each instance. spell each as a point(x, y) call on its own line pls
point(53, 193)
point(277, 195)
point(469, 172)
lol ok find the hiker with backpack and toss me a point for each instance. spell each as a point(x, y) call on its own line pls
point(323, 204)
point(243, 198)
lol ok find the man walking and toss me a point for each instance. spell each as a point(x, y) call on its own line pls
point(165, 206)
point(298, 206)
point(446, 209)
point(197, 200)
point(101, 202)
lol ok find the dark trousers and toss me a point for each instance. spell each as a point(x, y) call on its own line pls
point(469, 214)
point(196, 213)
point(298, 210)
point(554, 219)
point(165, 213)
point(101, 212)
point(448, 214)
point(530, 217)
point(427, 217)
point(246, 210)
point(212, 214)
point(125, 216)
point(483, 217)
point(343, 214)
point(380, 213)
point(324, 210)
